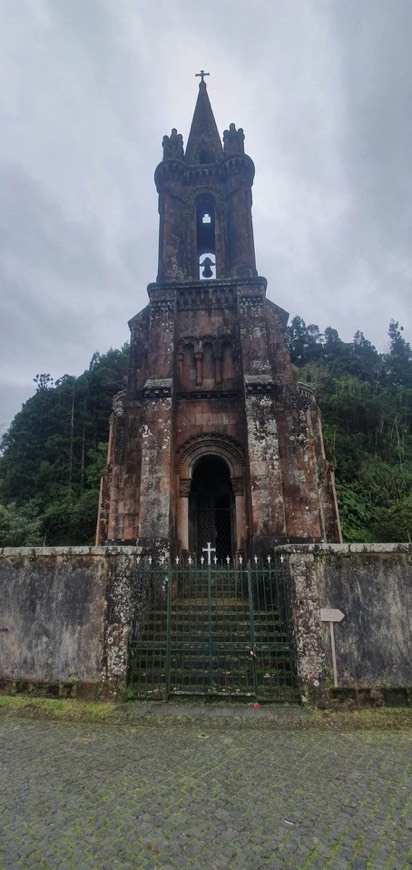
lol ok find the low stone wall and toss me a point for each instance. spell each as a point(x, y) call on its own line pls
point(65, 615)
point(371, 584)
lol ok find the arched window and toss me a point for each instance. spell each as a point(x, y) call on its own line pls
point(205, 237)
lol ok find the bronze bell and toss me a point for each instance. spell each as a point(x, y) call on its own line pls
point(206, 267)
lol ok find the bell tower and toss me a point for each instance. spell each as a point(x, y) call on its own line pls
point(213, 440)
point(205, 202)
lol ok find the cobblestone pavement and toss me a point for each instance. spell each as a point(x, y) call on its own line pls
point(192, 795)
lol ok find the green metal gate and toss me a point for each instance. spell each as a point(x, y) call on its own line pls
point(214, 630)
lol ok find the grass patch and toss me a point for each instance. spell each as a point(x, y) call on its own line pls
point(272, 717)
point(369, 718)
point(56, 708)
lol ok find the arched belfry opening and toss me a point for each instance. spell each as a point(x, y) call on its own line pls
point(211, 508)
point(206, 236)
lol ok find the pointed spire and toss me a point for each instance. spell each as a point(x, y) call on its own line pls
point(204, 144)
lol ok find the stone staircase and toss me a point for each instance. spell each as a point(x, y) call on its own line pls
point(211, 647)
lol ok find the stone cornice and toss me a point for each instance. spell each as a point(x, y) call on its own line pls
point(216, 393)
point(166, 289)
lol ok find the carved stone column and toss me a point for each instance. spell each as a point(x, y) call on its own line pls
point(199, 373)
point(238, 487)
point(180, 358)
point(183, 514)
point(218, 363)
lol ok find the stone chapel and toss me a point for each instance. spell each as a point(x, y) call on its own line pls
point(213, 440)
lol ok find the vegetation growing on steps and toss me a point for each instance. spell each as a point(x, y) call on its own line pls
point(55, 448)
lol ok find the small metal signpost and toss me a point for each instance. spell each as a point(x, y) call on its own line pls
point(331, 615)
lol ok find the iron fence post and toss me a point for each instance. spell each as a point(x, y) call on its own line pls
point(251, 626)
point(168, 627)
point(209, 617)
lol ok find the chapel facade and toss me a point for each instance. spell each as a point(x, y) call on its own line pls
point(213, 441)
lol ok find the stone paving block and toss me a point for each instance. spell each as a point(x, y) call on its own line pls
point(102, 796)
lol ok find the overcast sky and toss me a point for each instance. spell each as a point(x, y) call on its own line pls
point(88, 88)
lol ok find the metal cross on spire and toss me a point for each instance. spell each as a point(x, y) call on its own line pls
point(202, 74)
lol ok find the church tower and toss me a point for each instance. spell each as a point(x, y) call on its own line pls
point(213, 440)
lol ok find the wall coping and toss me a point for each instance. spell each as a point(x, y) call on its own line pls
point(286, 549)
point(343, 549)
point(111, 550)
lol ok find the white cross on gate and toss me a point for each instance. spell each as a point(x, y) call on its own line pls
point(209, 550)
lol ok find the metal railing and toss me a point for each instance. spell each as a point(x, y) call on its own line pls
point(212, 630)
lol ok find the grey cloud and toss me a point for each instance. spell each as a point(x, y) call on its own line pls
point(58, 285)
point(87, 90)
point(377, 74)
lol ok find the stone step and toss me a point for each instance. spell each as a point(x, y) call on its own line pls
point(281, 691)
point(224, 603)
point(199, 608)
point(196, 673)
point(271, 684)
point(217, 616)
point(217, 629)
point(223, 639)
point(264, 657)
point(218, 626)
point(210, 650)
point(219, 612)
point(197, 680)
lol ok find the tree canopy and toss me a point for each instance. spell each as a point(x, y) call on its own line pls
point(53, 454)
point(365, 400)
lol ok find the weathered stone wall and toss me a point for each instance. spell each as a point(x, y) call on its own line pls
point(372, 585)
point(65, 616)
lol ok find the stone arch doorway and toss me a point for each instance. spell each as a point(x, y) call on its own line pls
point(228, 453)
point(211, 508)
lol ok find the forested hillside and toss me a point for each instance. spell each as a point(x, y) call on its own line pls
point(53, 454)
point(365, 400)
point(55, 448)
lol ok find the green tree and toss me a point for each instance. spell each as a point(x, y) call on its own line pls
point(399, 359)
point(365, 400)
point(52, 455)
point(19, 527)
point(305, 342)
